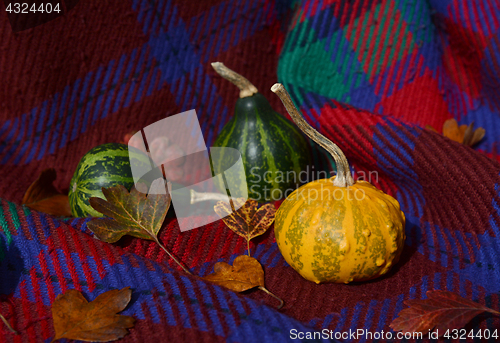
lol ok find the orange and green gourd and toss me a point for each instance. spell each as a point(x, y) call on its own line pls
point(337, 229)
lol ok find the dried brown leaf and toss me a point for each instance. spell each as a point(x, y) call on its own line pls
point(233, 219)
point(245, 273)
point(42, 196)
point(247, 221)
point(442, 310)
point(478, 134)
point(247, 209)
point(452, 131)
point(75, 318)
point(262, 219)
point(471, 136)
point(133, 213)
point(463, 134)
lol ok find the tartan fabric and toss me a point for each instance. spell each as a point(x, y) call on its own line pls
point(369, 74)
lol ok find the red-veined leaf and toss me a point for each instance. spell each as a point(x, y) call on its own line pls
point(441, 310)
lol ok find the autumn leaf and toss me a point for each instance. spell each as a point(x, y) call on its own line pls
point(245, 273)
point(247, 221)
point(463, 134)
point(42, 196)
point(471, 136)
point(453, 131)
point(135, 213)
point(442, 310)
point(75, 318)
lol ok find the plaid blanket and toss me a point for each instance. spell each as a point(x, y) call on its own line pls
point(368, 74)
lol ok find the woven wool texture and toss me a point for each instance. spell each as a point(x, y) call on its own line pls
point(368, 74)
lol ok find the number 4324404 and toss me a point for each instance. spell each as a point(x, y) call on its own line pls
point(463, 334)
point(26, 8)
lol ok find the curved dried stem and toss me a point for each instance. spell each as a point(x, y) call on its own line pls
point(8, 325)
point(344, 176)
point(274, 296)
point(246, 87)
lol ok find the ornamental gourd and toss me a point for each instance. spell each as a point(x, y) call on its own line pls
point(273, 151)
point(337, 230)
point(106, 165)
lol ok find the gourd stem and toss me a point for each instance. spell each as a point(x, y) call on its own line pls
point(246, 87)
point(344, 176)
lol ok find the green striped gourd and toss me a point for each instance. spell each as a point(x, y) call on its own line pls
point(273, 151)
point(106, 165)
point(337, 230)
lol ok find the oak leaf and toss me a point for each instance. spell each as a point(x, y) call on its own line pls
point(463, 134)
point(42, 196)
point(135, 213)
point(245, 273)
point(75, 318)
point(247, 221)
point(441, 310)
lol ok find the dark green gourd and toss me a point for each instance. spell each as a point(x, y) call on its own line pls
point(273, 151)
